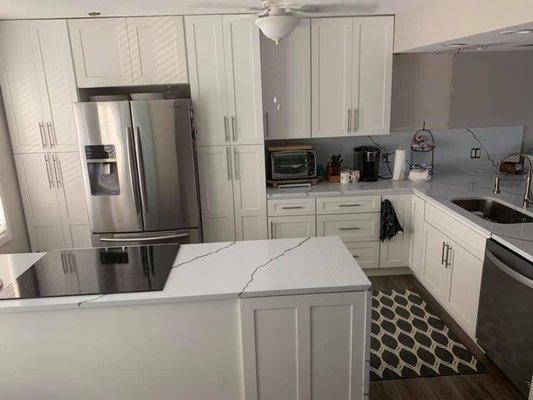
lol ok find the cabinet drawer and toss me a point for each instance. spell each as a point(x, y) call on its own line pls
point(291, 207)
point(287, 227)
point(348, 204)
point(350, 228)
point(467, 237)
point(365, 253)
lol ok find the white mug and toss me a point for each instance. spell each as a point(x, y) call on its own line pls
point(348, 176)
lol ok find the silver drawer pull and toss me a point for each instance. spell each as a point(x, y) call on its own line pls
point(292, 208)
point(349, 205)
point(355, 256)
point(353, 228)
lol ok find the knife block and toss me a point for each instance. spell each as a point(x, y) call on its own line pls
point(330, 174)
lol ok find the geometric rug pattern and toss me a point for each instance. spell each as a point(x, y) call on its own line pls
point(408, 340)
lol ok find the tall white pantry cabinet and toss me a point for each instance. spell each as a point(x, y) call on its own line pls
point(38, 88)
point(225, 77)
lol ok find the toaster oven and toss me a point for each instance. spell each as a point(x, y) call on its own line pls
point(292, 164)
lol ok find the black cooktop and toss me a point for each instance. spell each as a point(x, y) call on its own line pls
point(95, 271)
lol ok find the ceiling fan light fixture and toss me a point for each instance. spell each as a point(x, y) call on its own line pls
point(277, 27)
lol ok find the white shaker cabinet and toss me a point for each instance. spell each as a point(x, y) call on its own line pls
point(306, 346)
point(295, 226)
point(225, 74)
point(395, 252)
point(38, 85)
point(53, 198)
point(435, 272)
point(286, 76)
point(417, 243)
point(351, 75)
point(232, 192)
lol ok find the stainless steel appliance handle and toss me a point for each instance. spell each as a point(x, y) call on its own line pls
point(443, 254)
point(228, 163)
point(51, 135)
point(349, 119)
point(144, 239)
point(48, 171)
point(43, 138)
point(56, 170)
point(508, 271)
point(354, 115)
point(234, 127)
point(448, 250)
point(140, 166)
point(266, 125)
point(237, 161)
point(226, 131)
point(133, 167)
point(353, 228)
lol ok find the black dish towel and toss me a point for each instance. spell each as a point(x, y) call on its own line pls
point(390, 226)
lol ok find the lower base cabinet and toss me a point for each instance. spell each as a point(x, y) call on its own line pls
point(395, 252)
point(306, 346)
point(291, 227)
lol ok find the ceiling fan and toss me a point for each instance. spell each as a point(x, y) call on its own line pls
point(277, 18)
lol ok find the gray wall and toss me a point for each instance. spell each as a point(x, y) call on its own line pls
point(12, 201)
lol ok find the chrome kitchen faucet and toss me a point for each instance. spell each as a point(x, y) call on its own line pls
point(528, 198)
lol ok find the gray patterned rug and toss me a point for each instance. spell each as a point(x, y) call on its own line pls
point(408, 340)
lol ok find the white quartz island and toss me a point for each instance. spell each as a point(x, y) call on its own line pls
point(235, 321)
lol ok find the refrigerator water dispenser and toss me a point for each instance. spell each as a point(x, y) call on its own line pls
point(102, 170)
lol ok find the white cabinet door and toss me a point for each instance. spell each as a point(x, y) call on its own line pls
point(249, 192)
point(372, 75)
point(465, 283)
point(395, 252)
point(41, 207)
point(417, 243)
point(71, 194)
point(305, 347)
point(435, 271)
point(157, 47)
point(331, 60)
point(286, 76)
point(349, 227)
point(215, 173)
point(205, 51)
point(299, 226)
point(21, 88)
point(101, 52)
point(243, 79)
point(51, 41)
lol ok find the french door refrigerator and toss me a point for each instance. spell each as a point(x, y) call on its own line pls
point(139, 171)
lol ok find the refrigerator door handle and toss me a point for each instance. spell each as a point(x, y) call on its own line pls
point(133, 167)
point(140, 167)
point(144, 239)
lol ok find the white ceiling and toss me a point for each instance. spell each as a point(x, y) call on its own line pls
point(21, 9)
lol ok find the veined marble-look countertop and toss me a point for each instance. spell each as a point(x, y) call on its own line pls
point(441, 190)
point(212, 271)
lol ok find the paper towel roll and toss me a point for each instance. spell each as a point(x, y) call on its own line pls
point(399, 165)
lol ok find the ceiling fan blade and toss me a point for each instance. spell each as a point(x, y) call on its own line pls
point(206, 5)
point(356, 7)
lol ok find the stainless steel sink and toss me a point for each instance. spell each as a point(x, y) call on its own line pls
point(493, 211)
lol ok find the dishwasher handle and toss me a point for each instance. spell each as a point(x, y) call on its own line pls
point(507, 270)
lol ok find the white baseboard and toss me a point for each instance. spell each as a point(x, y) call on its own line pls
point(388, 271)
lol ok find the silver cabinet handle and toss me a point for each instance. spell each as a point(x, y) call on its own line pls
point(234, 127)
point(43, 138)
point(448, 250)
point(272, 230)
point(349, 205)
point(48, 171)
point(226, 131)
point(354, 115)
point(64, 263)
point(228, 163)
point(51, 134)
point(292, 208)
point(355, 256)
point(442, 259)
point(266, 125)
point(56, 170)
point(349, 119)
point(353, 228)
point(236, 160)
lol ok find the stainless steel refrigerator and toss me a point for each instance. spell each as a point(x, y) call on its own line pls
point(139, 171)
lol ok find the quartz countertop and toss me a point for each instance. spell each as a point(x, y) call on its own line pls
point(441, 190)
point(212, 271)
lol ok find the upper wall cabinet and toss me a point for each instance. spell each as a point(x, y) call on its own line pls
point(128, 51)
point(351, 63)
point(38, 85)
point(286, 74)
point(225, 68)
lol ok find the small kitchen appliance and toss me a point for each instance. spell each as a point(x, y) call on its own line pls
point(366, 161)
point(293, 162)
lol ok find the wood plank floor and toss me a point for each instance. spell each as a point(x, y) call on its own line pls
point(486, 386)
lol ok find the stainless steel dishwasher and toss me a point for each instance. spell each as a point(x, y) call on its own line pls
point(505, 317)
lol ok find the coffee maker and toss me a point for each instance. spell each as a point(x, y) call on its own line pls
point(366, 161)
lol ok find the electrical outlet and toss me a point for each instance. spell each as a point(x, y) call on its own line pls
point(385, 157)
point(475, 152)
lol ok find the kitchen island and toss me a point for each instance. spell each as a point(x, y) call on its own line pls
point(236, 320)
